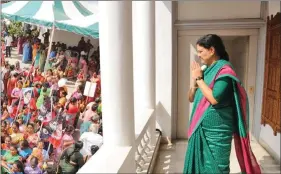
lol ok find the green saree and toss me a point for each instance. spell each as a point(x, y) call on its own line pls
point(212, 127)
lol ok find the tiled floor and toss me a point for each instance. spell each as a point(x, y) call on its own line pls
point(171, 159)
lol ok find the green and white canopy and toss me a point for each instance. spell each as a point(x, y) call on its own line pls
point(80, 17)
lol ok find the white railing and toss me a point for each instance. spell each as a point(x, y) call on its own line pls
point(117, 159)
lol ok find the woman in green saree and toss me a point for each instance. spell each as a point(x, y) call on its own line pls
point(220, 111)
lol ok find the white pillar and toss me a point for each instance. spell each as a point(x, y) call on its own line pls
point(144, 57)
point(115, 36)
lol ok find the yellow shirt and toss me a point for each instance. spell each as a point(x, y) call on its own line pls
point(62, 101)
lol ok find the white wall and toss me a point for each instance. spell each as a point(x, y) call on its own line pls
point(203, 10)
point(69, 38)
point(270, 142)
point(164, 25)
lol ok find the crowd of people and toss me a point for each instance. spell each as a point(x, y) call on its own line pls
point(44, 127)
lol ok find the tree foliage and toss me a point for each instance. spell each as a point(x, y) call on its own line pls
point(15, 28)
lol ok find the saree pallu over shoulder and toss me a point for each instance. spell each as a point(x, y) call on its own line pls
point(202, 156)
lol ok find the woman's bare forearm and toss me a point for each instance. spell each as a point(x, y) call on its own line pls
point(191, 94)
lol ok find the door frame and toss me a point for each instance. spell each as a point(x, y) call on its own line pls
point(250, 70)
point(256, 33)
point(259, 24)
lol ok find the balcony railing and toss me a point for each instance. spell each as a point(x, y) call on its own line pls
point(110, 159)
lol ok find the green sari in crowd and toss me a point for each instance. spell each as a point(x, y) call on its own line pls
point(212, 127)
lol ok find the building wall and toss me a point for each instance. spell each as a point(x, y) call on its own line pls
point(204, 10)
point(270, 142)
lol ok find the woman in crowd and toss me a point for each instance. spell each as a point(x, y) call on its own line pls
point(43, 56)
point(72, 160)
point(10, 157)
point(27, 52)
point(16, 135)
point(20, 44)
point(16, 94)
point(10, 86)
point(30, 135)
point(17, 168)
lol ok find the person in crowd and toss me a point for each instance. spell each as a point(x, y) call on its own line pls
point(43, 56)
point(8, 42)
point(72, 160)
point(46, 36)
point(18, 68)
point(16, 135)
point(20, 44)
point(48, 63)
point(37, 53)
point(6, 72)
point(8, 142)
point(67, 138)
point(27, 51)
point(16, 93)
point(10, 157)
point(40, 153)
point(35, 48)
point(17, 168)
point(94, 149)
point(10, 86)
point(44, 92)
point(30, 135)
point(62, 100)
point(71, 111)
point(32, 167)
point(24, 150)
point(81, 45)
point(88, 47)
point(4, 131)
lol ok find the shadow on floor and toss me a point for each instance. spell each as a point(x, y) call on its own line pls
point(268, 165)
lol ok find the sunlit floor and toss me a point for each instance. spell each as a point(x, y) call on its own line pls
point(171, 158)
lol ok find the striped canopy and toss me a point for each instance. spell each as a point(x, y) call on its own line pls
point(80, 17)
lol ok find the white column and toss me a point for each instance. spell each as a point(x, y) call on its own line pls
point(115, 36)
point(144, 57)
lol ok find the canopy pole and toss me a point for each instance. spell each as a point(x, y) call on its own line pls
point(51, 41)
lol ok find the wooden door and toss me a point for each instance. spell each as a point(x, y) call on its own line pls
point(271, 113)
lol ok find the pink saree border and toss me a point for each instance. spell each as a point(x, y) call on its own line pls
point(246, 158)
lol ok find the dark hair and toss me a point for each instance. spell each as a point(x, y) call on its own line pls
point(35, 159)
point(77, 147)
point(17, 124)
point(30, 124)
point(64, 93)
point(19, 166)
point(81, 87)
point(73, 100)
point(94, 107)
point(25, 144)
point(4, 122)
point(94, 149)
point(15, 147)
point(21, 82)
point(46, 85)
point(98, 100)
point(69, 128)
point(213, 40)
